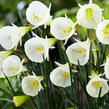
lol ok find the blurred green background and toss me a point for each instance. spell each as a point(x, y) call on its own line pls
point(12, 11)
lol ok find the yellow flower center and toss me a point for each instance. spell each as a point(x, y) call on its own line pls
point(67, 30)
point(40, 49)
point(81, 51)
point(89, 13)
point(65, 74)
point(96, 84)
point(106, 30)
point(35, 84)
point(35, 17)
point(12, 69)
point(9, 37)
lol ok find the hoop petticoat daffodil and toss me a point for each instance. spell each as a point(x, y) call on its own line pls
point(60, 76)
point(11, 35)
point(89, 15)
point(3, 56)
point(97, 86)
point(79, 51)
point(31, 85)
point(38, 14)
point(62, 28)
point(12, 66)
point(38, 48)
point(102, 32)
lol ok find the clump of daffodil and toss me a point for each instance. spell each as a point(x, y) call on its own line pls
point(97, 86)
point(102, 32)
point(11, 35)
point(12, 66)
point(31, 85)
point(106, 68)
point(89, 15)
point(79, 51)
point(38, 14)
point(19, 100)
point(3, 56)
point(62, 28)
point(38, 48)
point(60, 76)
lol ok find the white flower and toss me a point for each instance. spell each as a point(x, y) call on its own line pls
point(31, 85)
point(89, 15)
point(62, 28)
point(60, 76)
point(37, 13)
point(95, 85)
point(3, 56)
point(102, 32)
point(38, 48)
point(106, 68)
point(12, 66)
point(11, 35)
point(79, 51)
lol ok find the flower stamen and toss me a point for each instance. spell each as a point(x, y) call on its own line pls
point(35, 84)
point(67, 30)
point(35, 17)
point(9, 37)
point(12, 69)
point(40, 49)
point(106, 30)
point(96, 84)
point(89, 13)
point(81, 51)
point(65, 74)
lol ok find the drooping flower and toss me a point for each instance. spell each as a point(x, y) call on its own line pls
point(79, 51)
point(3, 56)
point(102, 32)
point(19, 100)
point(38, 48)
point(62, 28)
point(31, 85)
point(11, 35)
point(60, 76)
point(12, 66)
point(97, 86)
point(89, 15)
point(38, 14)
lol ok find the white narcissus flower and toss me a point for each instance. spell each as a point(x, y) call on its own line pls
point(38, 14)
point(95, 85)
point(12, 66)
point(38, 48)
point(102, 32)
point(31, 85)
point(60, 76)
point(79, 51)
point(89, 15)
point(3, 56)
point(106, 68)
point(62, 28)
point(11, 35)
